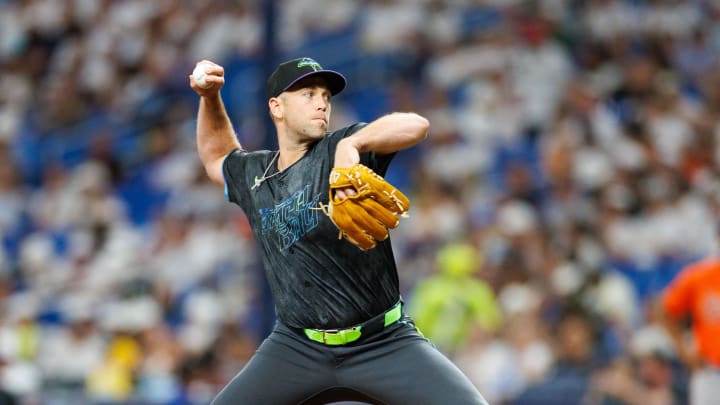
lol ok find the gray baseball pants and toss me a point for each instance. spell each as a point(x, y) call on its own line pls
point(394, 366)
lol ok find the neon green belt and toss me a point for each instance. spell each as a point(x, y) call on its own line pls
point(337, 337)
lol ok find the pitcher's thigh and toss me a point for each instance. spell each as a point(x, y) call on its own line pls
point(415, 372)
point(276, 374)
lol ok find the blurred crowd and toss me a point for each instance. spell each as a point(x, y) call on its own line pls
point(572, 169)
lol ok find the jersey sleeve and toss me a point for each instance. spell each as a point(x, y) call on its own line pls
point(677, 296)
point(232, 173)
point(379, 163)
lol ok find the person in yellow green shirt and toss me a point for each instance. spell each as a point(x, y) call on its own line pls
point(448, 305)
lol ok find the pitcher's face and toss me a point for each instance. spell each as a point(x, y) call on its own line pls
point(306, 108)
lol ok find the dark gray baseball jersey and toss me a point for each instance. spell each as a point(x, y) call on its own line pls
point(317, 280)
point(323, 282)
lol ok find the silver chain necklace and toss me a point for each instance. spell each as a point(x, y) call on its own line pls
point(260, 180)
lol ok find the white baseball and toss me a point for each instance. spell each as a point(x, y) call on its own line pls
point(199, 75)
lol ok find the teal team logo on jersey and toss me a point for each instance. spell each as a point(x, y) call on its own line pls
point(309, 62)
point(292, 218)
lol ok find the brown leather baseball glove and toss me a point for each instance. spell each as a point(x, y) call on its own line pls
point(365, 218)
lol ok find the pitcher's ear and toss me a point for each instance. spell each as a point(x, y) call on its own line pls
point(275, 107)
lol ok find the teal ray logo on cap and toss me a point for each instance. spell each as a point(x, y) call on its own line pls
point(309, 62)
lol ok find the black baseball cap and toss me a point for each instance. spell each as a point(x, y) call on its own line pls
point(290, 72)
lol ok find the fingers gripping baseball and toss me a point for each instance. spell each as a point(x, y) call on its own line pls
point(363, 205)
point(207, 78)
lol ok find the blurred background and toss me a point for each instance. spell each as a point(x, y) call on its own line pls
point(571, 171)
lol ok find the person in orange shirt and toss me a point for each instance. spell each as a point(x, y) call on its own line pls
point(695, 293)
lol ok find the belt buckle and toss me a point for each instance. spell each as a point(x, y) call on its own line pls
point(326, 332)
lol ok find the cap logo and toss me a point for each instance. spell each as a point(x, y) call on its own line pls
point(309, 62)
